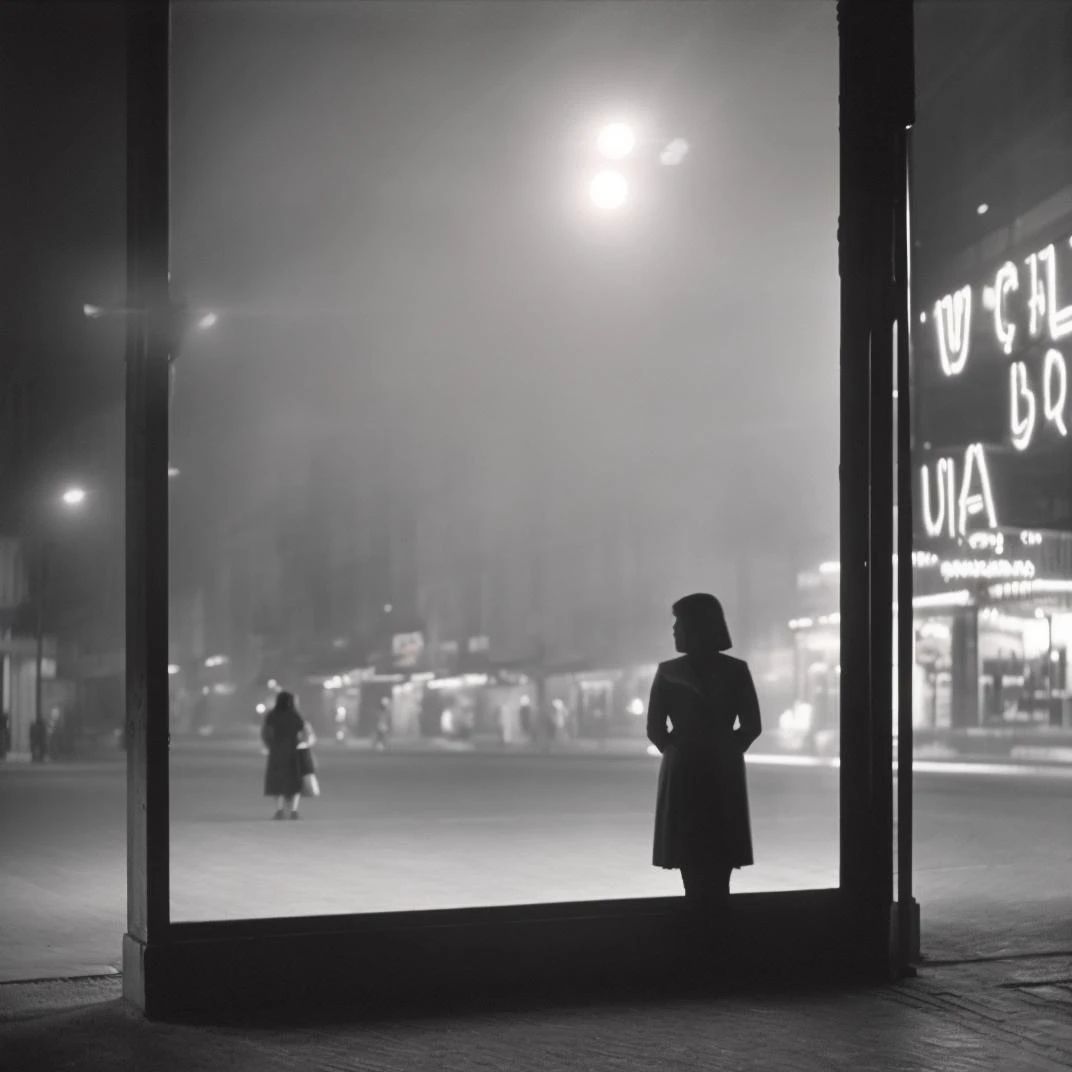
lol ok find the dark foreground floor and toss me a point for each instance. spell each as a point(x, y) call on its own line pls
point(1010, 1015)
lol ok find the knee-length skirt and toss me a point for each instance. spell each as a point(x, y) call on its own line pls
point(701, 808)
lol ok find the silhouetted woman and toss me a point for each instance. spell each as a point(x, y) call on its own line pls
point(283, 730)
point(702, 824)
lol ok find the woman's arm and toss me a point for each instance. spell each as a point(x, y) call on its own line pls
point(658, 734)
point(267, 733)
point(307, 734)
point(747, 710)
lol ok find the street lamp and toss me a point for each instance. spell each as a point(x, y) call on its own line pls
point(616, 141)
point(74, 496)
point(609, 190)
point(180, 320)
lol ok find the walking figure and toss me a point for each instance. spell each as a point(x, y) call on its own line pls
point(38, 740)
point(283, 730)
point(383, 725)
point(702, 824)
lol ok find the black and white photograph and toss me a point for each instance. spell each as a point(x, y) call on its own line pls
point(535, 534)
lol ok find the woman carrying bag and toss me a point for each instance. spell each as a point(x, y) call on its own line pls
point(291, 770)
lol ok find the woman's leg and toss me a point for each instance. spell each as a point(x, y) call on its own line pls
point(280, 804)
point(706, 880)
point(294, 802)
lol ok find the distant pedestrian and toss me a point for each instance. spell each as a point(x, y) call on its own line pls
point(599, 722)
point(5, 734)
point(702, 824)
point(283, 730)
point(383, 725)
point(38, 740)
point(524, 717)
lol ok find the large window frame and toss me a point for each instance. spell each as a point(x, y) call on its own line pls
point(174, 968)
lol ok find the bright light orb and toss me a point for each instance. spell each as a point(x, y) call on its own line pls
point(74, 496)
point(609, 190)
point(92, 311)
point(209, 320)
point(616, 140)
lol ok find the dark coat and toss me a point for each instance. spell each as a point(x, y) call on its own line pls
point(701, 810)
point(280, 733)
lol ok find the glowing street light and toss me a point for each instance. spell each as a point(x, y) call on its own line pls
point(74, 496)
point(173, 471)
point(609, 190)
point(92, 311)
point(616, 141)
point(209, 320)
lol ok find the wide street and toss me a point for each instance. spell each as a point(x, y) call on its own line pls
point(399, 832)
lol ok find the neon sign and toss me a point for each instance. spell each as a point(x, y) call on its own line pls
point(989, 569)
point(1021, 422)
point(952, 319)
point(948, 511)
point(1017, 345)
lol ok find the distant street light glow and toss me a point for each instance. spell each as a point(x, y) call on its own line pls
point(983, 209)
point(92, 311)
point(209, 320)
point(609, 190)
point(74, 496)
point(616, 140)
point(173, 471)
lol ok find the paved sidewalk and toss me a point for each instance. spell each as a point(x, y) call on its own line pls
point(1011, 1016)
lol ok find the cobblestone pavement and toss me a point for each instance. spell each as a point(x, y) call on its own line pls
point(1011, 1016)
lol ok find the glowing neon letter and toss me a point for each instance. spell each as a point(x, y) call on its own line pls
point(951, 497)
point(1008, 278)
point(1060, 320)
point(971, 501)
point(1054, 407)
point(952, 318)
point(932, 524)
point(1037, 302)
point(1021, 428)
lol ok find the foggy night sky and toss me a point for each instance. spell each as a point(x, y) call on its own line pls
point(386, 205)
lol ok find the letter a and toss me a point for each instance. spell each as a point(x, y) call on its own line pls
point(975, 500)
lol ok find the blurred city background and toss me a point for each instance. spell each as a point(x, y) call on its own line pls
point(499, 328)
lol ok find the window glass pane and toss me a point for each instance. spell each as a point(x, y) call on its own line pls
point(510, 324)
point(992, 283)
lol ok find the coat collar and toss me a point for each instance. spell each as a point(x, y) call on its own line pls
point(680, 672)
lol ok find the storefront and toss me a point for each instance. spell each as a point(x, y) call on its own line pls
point(987, 653)
point(992, 564)
point(993, 479)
